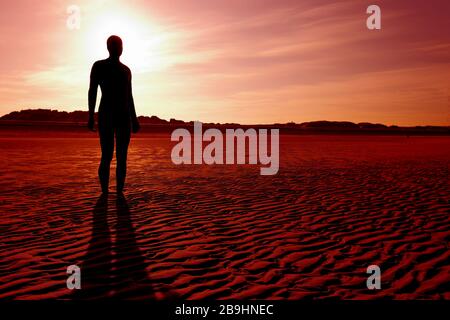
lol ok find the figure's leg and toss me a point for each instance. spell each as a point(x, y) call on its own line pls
point(122, 142)
point(107, 145)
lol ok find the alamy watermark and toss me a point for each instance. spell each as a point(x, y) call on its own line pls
point(73, 21)
point(74, 279)
point(229, 150)
point(374, 280)
point(373, 22)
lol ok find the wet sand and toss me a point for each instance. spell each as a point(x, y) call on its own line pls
point(337, 205)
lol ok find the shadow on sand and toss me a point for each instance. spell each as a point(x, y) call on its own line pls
point(116, 270)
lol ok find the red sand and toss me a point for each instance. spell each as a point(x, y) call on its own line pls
point(337, 205)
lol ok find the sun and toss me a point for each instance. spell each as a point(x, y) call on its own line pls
point(140, 41)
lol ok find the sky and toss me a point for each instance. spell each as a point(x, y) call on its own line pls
point(250, 62)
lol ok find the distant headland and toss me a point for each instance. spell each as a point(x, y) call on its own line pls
point(76, 120)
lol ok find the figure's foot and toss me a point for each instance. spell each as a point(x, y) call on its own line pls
point(103, 196)
point(119, 188)
point(105, 187)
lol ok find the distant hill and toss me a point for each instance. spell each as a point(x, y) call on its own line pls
point(46, 115)
point(50, 117)
point(64, 116)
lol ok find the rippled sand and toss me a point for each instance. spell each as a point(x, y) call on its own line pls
point(337, 205)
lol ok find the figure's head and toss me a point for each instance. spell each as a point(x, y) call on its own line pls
point(115, 47)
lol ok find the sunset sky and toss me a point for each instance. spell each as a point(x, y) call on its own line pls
point(251, 61)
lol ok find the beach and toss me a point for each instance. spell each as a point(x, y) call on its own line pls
point(338, 204)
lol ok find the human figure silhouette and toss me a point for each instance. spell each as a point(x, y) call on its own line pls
point(116, 113)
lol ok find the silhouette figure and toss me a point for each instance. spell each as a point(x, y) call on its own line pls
point(116, 113)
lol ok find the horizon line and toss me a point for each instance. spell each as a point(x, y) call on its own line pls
point(246, 124)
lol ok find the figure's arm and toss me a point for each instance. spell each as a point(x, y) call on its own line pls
point(92, 96)
point(134, 120)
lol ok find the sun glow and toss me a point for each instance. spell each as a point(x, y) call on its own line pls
point(141, 43)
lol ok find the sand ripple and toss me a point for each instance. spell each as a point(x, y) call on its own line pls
point(338, 205)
